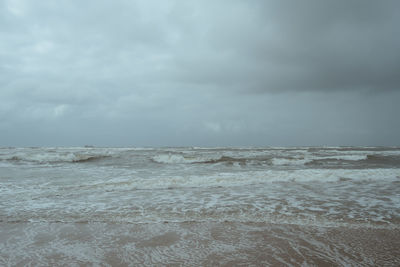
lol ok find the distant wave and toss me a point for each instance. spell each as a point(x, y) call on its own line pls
point(370, 160)
point(175, 158)
point(246, 158)
point(226, 159)
point(203, 159)
point(87, 158)
point(384, 159)
point(55, 158)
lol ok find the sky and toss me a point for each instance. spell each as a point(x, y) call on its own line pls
point(199, 73)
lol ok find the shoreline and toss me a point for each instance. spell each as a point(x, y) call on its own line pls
point(195, 243)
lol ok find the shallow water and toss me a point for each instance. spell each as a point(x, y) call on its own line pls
point(195, 244)
point(349, 190)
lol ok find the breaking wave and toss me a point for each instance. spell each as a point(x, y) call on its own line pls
point(173, 158)
point(271, 160)
point(245, 158)
point(43, 158)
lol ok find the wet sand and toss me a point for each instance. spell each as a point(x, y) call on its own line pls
point(195, 244)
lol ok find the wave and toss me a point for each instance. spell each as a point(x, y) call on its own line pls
point(226, 159)
point(289, 161)
point(43, 158)
point(364, 161)
point(88, 158)
point(384, 159)
point(229, 179)
point(344, 157)
point(206, 159)
point(173, 158)
point(271, 160)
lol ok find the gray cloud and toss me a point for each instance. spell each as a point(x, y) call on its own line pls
point(199, 72)
point(311, 45)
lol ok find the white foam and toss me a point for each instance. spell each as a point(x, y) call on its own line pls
point(172, 158)
point(343, 157)
point(366, 152)
point(289, 162)
point(132, 187)
point(230, 179)
point(302, 161)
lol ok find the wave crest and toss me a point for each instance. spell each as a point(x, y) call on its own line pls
point(43, 158)
point(173, 158)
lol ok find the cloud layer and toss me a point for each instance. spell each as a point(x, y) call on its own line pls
point(199, 72)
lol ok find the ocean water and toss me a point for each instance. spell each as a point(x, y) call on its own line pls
point(199, 205)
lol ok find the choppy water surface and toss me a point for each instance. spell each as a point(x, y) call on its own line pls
point(297, 185)
point(348, 187)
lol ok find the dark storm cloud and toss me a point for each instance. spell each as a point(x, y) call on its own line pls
point(299, 45)
point(198, 72)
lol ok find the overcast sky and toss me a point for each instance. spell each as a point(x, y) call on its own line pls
point(199, 73)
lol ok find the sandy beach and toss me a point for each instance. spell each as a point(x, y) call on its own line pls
point(195, 244)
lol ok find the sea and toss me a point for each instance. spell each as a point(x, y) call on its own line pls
point(195, 206)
